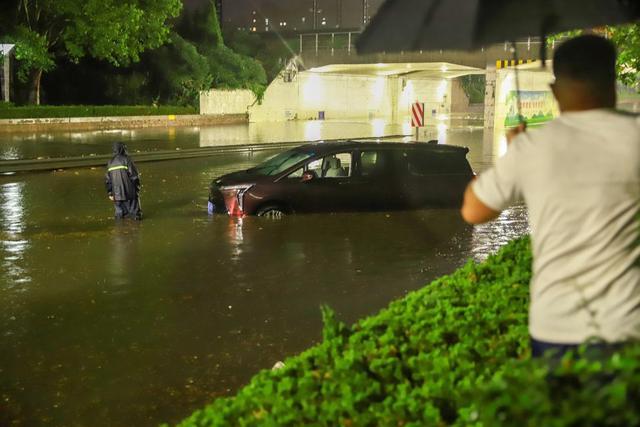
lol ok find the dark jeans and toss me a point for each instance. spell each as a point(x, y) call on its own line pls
point(556, 350)
point(128, 209)
point(596, 351)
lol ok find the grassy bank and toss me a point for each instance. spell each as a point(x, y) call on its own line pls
point(49, 111)
point(453, 353)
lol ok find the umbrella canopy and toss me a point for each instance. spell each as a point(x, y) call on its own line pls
point(411, 25)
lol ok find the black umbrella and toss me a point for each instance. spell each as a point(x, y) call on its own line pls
point(411, 25)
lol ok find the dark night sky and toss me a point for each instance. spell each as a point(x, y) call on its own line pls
point(238, 12)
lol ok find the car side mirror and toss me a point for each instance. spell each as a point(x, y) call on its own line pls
point(308, 176)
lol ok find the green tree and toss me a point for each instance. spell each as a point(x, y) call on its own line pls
point(626, 38)
point(270, 49)
point(116, 31)
point(179, 72)
point(474, 86)
point(228, 69)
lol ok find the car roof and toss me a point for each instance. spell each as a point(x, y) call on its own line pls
point(322, 147)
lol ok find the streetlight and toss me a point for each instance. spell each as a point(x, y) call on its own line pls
point(365, 12)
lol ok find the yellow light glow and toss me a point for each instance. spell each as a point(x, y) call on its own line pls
point(313, 91)
point(442, 133)
point(313, 130)
point(408, 95)
point(442, 90)
point(406, 128)
point(377, 91)
point(377, 127)
point(508, 84)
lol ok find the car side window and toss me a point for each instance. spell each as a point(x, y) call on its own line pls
point(315, 166)
point(374, 163)
point(336, 166)
point(296, 174)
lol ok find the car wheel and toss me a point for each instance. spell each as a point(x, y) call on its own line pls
point(271, 212)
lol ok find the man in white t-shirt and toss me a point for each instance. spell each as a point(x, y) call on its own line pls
point(579, 176)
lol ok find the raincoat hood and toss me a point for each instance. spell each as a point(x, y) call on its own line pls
point(119, 149)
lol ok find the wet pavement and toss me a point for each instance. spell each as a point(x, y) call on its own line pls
point(141, 323)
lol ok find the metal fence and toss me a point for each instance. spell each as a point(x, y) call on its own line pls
point(332, 42)
point(316, 43)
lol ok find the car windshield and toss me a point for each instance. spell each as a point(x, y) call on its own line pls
point(281, 162)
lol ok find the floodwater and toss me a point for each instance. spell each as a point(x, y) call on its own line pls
point(105, 323)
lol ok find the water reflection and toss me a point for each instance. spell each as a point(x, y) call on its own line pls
point(12, 208)
point(142, 322)
point(489, 237)
point(14, 244)
point(235, 235)
point(456, 132)
point(123, 254)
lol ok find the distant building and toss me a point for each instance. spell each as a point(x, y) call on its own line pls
point(297, 15)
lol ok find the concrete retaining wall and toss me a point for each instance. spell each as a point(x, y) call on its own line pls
point(216, 101)
point(535, 96)
point(350, 97)
point(105, 123)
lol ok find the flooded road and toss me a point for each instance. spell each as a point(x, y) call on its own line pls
point(140, 323)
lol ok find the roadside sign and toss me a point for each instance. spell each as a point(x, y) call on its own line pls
point(417, 114)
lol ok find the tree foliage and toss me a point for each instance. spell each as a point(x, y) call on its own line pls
point(229, 69)
point(626, 38)
point(115, 31)
point(474, 86)
point(125, 51)
point(181, 72)
point(270, 49)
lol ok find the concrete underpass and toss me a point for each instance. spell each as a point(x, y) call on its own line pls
point(324, 82)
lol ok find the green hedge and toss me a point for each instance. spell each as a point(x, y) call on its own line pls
point(453, 353)
point(8, 111)
point(410, 362)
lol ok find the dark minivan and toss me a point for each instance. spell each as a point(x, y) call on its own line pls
point(346, 176)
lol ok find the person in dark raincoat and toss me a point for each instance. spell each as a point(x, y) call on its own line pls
point(123, 183)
